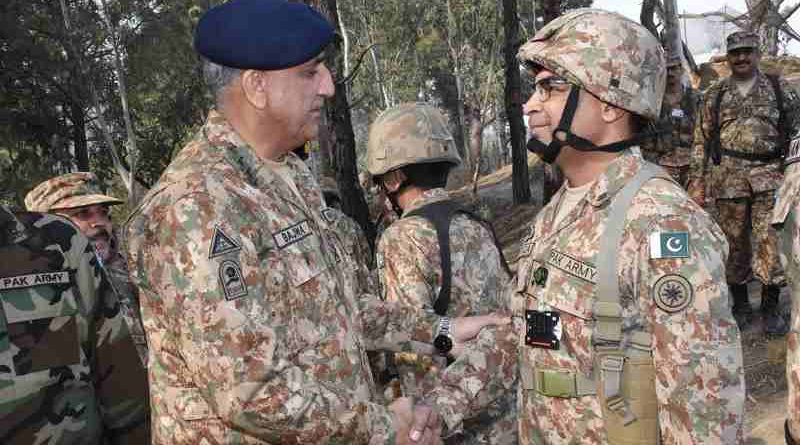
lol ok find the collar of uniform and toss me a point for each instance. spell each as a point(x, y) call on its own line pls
point(427, 197)
point(618, 173)
point(11, 229)
point(730, 83)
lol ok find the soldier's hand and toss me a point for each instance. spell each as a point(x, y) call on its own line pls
point(415, 424)
point(697, 191)
point(466, 328)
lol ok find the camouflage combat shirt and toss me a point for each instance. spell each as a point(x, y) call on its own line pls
point(129, 302)
point(409, 267)
point(69, 373)
point(673, 148)
point(748, 124)
point(251, 316)
point(681, 302)
point(786, 218)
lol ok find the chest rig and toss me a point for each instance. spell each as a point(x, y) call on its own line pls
point(623, 373)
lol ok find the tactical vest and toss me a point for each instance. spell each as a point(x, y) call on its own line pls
point(623, 377)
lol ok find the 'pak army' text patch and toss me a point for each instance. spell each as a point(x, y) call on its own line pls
point(35, 279)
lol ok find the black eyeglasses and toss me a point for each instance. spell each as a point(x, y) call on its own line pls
point(543, 87)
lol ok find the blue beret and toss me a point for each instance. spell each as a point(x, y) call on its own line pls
point(262, 34)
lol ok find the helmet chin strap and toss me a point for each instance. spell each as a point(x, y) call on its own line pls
point(393, 197)
point(562, 136)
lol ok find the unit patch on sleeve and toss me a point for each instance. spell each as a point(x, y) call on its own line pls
point(35, 279)
point(231, 280)
point(329, 215)
point(292, 234)
point(221, 244)
point(669, 245)
point(672, 293)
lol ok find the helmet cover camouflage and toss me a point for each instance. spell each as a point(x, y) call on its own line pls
point(68, 191)
point(410, 133)
point(616, 59)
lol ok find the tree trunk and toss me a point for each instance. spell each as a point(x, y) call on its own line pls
point(672, 30)
point(551, 9)
point(646, 16)
point(338, 116)
point(513, 102)
point(78, 118)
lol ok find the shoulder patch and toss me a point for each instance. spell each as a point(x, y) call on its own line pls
point(221, 244)
point(669, 245)
point(231, 280)
point(672, 293)
point(329, 215)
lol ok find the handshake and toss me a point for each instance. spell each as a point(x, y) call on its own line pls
point(419, 424)
point(415, 424)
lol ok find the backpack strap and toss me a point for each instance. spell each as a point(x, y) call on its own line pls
point(783, 132)
point(440, 214)
point(607, 307)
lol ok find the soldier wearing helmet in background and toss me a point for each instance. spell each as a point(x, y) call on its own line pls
point(621, 329)
point(672, 149)
point(739, 147)
point(437, 260)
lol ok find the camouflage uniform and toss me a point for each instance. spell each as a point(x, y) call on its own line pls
point(744, 189)
point(68, 368)
point(355, 246)
point(411, 275)
point(673, 149)
point(633, 340)
point(81, 189)
point(699, 381)
point(786, 219)
point(249, 304)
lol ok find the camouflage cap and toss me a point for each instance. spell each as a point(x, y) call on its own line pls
point(410, 133)
point(616, 59)
point(741, 39)
point(66, 192)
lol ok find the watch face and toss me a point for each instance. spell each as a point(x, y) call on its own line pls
point(443, 343)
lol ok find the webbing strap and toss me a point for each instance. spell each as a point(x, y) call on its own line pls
point(440, 214)
point(607, 309)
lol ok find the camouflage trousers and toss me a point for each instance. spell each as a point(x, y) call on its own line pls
point(753, 242)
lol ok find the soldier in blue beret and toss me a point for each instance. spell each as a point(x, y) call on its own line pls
point(248, 297)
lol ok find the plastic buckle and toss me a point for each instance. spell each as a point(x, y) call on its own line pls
point(555, 383)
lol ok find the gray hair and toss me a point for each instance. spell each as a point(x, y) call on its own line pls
point(217, 78)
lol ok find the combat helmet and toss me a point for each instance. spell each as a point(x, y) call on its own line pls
point(613, 58)
point(410, 133)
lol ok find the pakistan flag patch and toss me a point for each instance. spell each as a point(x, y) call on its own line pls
point(669, 245)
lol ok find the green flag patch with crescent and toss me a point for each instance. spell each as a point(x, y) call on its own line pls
point(669, 245)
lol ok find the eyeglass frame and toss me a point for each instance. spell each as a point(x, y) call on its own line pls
point(544, 93)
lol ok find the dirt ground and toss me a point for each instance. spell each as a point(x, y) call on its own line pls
point(764, 359)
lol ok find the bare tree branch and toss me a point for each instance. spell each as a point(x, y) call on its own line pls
point(354, 71)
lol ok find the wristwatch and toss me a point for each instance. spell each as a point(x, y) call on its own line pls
point(443, 342)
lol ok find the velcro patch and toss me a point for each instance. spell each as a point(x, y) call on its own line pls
point(221, 244)
point(573, 266)
point(35, 279)
point(292, 234)
point(231, 280)
point(672, 293)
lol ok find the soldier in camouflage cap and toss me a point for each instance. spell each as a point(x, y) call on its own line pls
point(621, 330)
point(786, 220)
point(78, 196)
point(739, 141)
point(68, 368)
point(409, 154)
point(255, 322)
